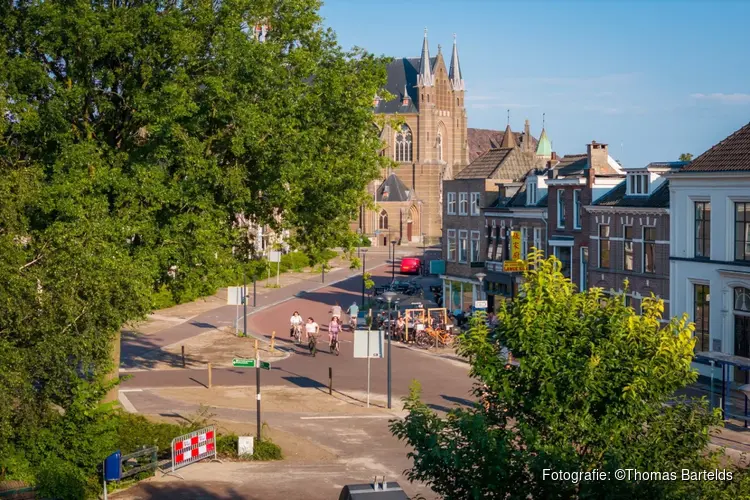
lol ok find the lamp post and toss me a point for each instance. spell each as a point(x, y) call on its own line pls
point(480, 277)
point(389, 297)
point(359, 239)
point(424, 255)
point(393, 260)
point(364, 270)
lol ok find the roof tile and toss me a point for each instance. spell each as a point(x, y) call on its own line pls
point(730, 155)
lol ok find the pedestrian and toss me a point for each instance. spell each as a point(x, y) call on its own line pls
point(353, 312)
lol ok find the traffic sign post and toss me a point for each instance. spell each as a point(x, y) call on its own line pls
point(243, 363)
point(265, 365)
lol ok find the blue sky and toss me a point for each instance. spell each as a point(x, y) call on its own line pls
point(652, 79)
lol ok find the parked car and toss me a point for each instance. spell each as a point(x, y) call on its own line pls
point(411, 265)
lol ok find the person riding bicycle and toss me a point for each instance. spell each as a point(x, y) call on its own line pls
point(334, 327)
point(311, 328)
point(336, 311)
point(353, 311)
point(295, 321)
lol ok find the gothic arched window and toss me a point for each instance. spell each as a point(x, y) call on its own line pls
point(383, 224)
point(439, 146)
point(403, 147)
point(742, 299)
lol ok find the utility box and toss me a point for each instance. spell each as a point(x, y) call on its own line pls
point(374, 491)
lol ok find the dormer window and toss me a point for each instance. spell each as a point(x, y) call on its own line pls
point(531, 193)
point(638, 184)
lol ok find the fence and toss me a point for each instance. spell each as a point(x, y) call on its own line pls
point(193, 447)
point(151, 465)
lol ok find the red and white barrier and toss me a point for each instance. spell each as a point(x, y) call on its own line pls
point(193, 447)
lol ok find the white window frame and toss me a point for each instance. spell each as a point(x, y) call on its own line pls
point(538, 238)
point(463, 242)
point(451, 204)
point(577, 209)
point(560, 209)
point(531, 193)
point(463, 203)
point(475, 203)
point(638, 184)
point(524, 242)
point(475, 239)
point(451, 256)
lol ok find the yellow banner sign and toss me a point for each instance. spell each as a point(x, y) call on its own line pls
point(515, 245)
point(510, 266)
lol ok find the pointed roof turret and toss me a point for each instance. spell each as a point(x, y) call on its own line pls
point(509, 139)
point(456, 78)
point(425, 70)
point(545, 146)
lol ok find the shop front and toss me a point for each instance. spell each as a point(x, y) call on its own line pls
point(498, 288)
point(459, 293)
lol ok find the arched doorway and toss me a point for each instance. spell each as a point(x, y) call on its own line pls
point(412, 224)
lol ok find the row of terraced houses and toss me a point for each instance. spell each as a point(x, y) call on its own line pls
point(678, 230)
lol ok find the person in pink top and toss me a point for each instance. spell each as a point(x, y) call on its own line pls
point(334, 327)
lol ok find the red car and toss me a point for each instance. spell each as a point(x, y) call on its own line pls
point(411, 265)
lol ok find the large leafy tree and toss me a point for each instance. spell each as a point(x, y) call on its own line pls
point(132, 133)
point(593, 389)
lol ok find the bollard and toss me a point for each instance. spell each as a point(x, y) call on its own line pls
point(209, 375)
point(330, 381)
point(183, 356)
point(273, 341)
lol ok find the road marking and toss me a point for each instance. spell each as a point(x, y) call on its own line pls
point(343, 417)
point(131, 390)
point(126, 404)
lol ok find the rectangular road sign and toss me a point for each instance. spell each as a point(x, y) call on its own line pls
point(234, 295)
point(368, 342)
point(243, 363)
point(274, 256)
point(480, 304)
point(265, 365)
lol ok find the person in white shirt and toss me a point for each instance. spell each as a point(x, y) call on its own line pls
point(311, 328)
point(295, 320)
point(336, 311)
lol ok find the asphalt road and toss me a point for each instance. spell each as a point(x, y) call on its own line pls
point(444, 383)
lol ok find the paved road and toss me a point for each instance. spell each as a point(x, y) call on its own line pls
point(443, 382)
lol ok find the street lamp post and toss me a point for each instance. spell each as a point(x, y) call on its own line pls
point(424, 255)
point(393, 260)
point(359, 239)
point(364, 270)
point(389, 297)
point(480, 277)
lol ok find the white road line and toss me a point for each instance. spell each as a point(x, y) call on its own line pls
point(344, 417)
point(126, 404)
point(131, 390)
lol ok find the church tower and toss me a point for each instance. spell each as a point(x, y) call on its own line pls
point(460, 147)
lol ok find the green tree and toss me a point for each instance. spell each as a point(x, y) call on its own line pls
point(132, 134)
point(686, 157)
point(594, 389)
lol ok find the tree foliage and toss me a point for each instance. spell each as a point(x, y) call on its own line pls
point(686, 156)
point(131, 135)
point(594, 389)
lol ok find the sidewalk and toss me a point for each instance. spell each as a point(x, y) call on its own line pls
point(165, 329)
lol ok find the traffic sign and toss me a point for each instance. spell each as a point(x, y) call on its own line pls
point(480, 304)
point(243, 363)
point(265, 365)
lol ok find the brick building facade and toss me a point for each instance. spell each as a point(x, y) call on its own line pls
point(629, 236)
point(573, 183)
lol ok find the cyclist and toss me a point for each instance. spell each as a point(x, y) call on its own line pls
point(311, 330)
point(295, 322)
point(336, 311)
point(353, 311)
point(334, 327)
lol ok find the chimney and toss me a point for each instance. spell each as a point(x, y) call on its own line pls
point(552, 174)
point(554, 155)
point(598, 158)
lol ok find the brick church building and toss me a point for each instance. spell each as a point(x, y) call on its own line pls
point(431, 145)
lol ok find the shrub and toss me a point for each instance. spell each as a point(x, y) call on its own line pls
point(296, 261)
point(355, 263)
point(226, 445)
point(136, 431)
point(61, 479)
point(266, 450)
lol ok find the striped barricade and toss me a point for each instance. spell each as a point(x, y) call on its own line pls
point(193, 447)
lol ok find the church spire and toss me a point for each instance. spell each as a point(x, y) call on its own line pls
point(425, 70)
point(509, 139)
point(456, 78)
point(544, 149)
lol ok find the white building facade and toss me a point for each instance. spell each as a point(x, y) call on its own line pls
point(710, 248)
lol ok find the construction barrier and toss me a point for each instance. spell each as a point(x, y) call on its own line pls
point(193, 447)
